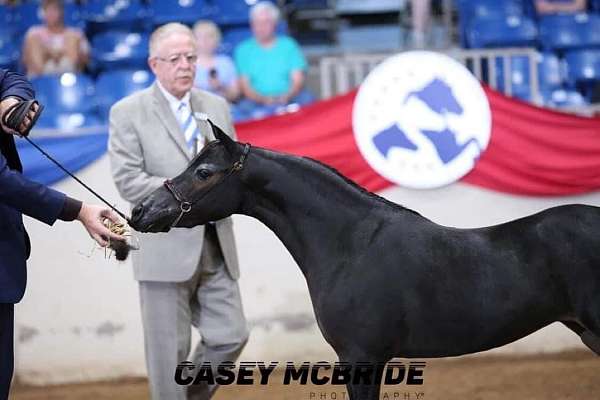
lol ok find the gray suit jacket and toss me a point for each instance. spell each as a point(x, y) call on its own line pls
point(146, 146)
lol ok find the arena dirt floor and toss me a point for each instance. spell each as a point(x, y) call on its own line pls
point(564, 376)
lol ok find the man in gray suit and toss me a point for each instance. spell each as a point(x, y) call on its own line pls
point(186, 276)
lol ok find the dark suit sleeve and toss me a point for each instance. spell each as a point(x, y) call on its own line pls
point(30, 198)
point(13, 84)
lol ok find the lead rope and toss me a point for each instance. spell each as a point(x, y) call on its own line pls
point(122, 215)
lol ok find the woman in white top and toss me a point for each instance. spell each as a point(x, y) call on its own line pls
point(214, 72)
point(54, 48)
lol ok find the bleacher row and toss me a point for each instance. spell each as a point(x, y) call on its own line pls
point(118, 32)
point(119, 29)
point(76, 101)
point(568, 45)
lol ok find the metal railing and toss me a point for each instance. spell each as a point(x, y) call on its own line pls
point(482, 62)
point(340, 74)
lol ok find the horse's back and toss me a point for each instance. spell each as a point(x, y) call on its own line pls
point(509, 279)
point(571, 236)
point(557, 252)
point(562, 230)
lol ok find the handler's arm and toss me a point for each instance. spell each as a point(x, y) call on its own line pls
point(39, 201)
point(14, 87)
point(30, 198)
point(13, 84)
point(16, 191)
point(127, 159)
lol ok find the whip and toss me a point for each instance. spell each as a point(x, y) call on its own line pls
point(92, 191)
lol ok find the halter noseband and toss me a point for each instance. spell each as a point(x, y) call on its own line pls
point(185, 206)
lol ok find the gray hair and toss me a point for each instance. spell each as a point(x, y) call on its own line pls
point(207, 26)
point(265, 6)
point(164, 31)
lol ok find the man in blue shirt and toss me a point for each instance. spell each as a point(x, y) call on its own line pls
point(271, 67)
point(21, 196)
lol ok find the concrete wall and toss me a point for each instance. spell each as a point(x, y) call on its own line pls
point(80, 318)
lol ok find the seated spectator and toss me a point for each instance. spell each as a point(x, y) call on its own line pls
point(54, 48)
point(545, 7)
point(271, 66)
point(214, 72)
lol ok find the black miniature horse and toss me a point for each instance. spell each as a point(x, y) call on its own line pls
point(385, 281)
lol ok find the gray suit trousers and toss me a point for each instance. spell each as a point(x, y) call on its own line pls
point(209, 301)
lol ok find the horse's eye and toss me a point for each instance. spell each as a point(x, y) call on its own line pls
point(203, 173)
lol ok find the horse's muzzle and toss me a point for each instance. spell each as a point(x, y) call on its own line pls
point(136, 216)
point(146, 218)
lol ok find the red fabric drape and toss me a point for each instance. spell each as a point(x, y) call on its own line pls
point(532, 150)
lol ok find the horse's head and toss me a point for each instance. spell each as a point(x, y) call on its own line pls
point(208, 190)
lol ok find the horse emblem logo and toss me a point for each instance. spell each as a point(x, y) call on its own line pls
point(421, 120)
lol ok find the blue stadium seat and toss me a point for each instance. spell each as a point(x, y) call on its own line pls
point(231, 12)
point(28, 14)
point(583, 65)
point(550, 76)
point(551, 72)
point(68, 122)
point(493, 8)
point(114, 49)
point(282, 28)
point(7, 17)
point(592, 31)
point(308, 4)
point(185, 11)
point(563, 98)
point(502, 31)
point(232, 37)
point(235, 35)
point(9, 50)
point(112, 86)
point(563, 32)
point(519, 76)
point(65, 93)
point(103, 15)
point(470, 9)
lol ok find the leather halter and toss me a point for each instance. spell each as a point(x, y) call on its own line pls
point(185, 206)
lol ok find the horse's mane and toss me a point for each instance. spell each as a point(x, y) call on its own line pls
point(356, 186)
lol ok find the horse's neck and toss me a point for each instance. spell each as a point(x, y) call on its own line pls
point(310, 208)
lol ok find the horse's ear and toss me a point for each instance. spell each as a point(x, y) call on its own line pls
point(229, 143)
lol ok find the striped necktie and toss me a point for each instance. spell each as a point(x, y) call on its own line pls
point(189, 127)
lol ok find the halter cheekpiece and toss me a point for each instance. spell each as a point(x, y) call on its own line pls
point(185, 206)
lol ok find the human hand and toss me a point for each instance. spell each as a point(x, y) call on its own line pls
point(25, 124)
point(91, 216)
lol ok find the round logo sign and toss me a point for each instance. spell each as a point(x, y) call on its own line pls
point(421, 119)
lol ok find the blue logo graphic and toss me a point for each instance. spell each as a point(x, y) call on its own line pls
point(440, 99)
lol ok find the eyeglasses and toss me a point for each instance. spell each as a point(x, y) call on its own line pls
point(175, 59)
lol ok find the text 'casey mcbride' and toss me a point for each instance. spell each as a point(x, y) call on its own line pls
point(320, 373)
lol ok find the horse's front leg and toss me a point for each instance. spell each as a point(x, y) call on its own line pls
point(363, 392)
point(365, 375)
